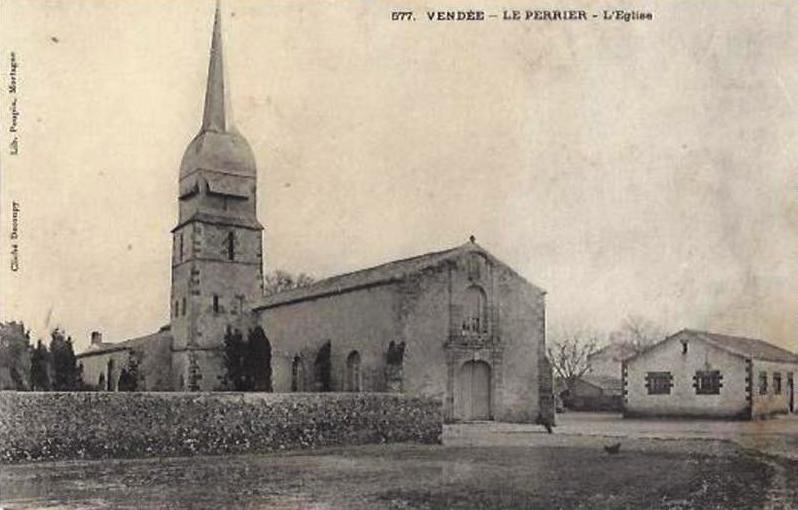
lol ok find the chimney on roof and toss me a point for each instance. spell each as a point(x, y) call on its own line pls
point(96, 338)
point(472, 238)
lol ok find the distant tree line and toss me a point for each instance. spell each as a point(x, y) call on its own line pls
point(281, 281)
point(570, 350)
point(42, 367)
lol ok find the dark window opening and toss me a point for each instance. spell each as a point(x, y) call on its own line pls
point(707, 382)
point(109, 380)
point(215, 303)
point(184, 306)
point(684, 346)
point(258, 361)
point(322, 368)
point(777, 383)
point(763, 383)
point(393, 369)
point(231, 246)
point(659, 383)
point(180, 253)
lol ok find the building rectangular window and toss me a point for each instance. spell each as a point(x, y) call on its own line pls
point(184, 306)
point(763, 383)
point(659, 383)
point(215, 303)
point(777, 383)
point(707, 382)
point(231, 243)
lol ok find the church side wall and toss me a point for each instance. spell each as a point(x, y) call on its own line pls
point(361, 321)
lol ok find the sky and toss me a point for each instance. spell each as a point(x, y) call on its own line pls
point(643, 168)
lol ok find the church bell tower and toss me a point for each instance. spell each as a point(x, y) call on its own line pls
point(217, 244)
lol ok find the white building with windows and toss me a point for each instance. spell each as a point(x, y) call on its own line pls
point(702, 374)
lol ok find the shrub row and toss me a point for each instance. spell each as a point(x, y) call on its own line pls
point(92, 425)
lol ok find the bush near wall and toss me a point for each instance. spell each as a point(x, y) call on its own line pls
point(95, 425)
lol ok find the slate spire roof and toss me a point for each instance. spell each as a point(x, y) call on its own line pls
point(218, 146)
point(217, 113)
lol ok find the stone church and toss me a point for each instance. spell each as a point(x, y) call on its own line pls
point(457, 324)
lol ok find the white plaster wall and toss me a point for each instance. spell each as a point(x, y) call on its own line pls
point(683, 400)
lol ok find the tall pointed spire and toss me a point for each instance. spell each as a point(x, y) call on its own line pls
point(217, 114)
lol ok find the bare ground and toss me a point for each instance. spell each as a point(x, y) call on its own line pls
point(523, 470)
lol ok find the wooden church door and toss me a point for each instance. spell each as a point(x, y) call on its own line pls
point(475, 391)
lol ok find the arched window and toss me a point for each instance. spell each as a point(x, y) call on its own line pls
point(475, 317)
point(322, 368)
point(393, 369)
point(353, 371)
point(297, 374)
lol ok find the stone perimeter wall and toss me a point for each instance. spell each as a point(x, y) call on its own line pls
point(93, 425)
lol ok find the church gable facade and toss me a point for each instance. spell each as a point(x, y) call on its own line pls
point(457, 325)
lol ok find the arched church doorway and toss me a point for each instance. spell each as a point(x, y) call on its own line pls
point(473, 396)
point(353, 371)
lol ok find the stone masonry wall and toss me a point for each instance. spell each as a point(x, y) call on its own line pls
point(54, 426)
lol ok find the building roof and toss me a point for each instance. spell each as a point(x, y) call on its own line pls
point(615, 352)
point(163, 334)
point(741, 346)
point(606, 383)
point(748, 347)
point(218, 145)
point(378, 275)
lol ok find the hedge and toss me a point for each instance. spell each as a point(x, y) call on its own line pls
point(94, 425)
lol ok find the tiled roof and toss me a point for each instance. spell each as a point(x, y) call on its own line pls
point(104, 347)
point(605, 382)
point(614, 351)
point(749, 347)
point(384, 273)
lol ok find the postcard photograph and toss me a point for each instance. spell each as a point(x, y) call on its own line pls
point(398, 255)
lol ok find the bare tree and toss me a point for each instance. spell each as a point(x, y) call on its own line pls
point(569, 354)
point(279, 281)
point(638, 333)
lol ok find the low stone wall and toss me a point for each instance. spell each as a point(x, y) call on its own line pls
point(90, 425)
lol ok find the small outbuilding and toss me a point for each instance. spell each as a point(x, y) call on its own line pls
point(593, 393)
point(702, 374)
